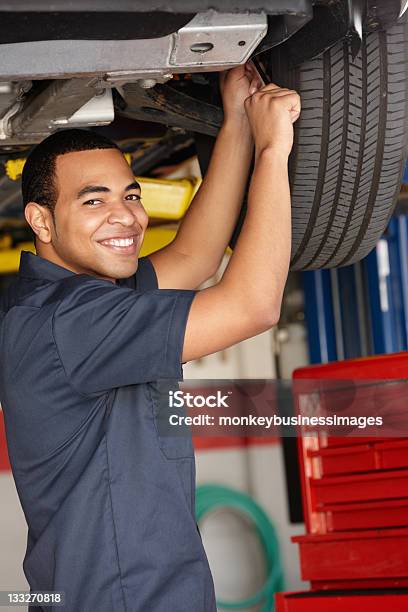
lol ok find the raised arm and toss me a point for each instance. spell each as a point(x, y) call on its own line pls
point(196, 252)
point(247, 300)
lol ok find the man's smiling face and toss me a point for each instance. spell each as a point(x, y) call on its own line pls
point(99, 218)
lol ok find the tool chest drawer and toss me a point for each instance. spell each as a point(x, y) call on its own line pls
point(366, 515)
point(342, 602)
point(376, 455)
point(380, 485)
point(353, 556)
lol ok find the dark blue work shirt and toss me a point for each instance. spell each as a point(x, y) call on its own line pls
point(109, 502)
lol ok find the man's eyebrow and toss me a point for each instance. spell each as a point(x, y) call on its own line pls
point(101, 188)
point(134, 185)
point(92, 189)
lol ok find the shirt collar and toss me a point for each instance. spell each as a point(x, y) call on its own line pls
point(34, 266)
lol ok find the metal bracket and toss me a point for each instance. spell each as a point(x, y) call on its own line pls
point(5, 131)
point(98, 110)
point(213, 38)
point(70, 102)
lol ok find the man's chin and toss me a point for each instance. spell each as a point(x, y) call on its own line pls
point(120, 270)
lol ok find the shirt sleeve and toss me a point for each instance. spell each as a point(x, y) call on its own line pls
point(109, 336)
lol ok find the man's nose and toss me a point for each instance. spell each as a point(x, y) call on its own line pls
point(121, 212)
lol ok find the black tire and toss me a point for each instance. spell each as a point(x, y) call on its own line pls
point(350, 147)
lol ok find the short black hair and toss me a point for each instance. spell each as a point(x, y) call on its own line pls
point(38, 177)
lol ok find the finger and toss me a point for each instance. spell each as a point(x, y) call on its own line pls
point(275, 94)
point(256, 80)
point(255, 85)
point(277, 91)
point(297, 103)
point(294, 100)
point(270, 87)
point(294, 115)
point(296, 107)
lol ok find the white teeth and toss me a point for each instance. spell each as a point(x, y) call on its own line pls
point(121, 242)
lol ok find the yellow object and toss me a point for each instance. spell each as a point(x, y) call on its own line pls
point(157, 237)
point(5, 241)
point(166, 198)
point(10, 258)
point(14, 168)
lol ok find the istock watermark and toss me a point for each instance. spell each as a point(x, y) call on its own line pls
point(179, 399)
point(261, 407)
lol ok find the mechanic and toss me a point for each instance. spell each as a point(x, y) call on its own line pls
point(90, 334)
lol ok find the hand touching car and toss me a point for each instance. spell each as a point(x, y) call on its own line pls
point(271, 112)
point(236, 85)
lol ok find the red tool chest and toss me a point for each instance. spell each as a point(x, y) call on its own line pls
point(342, 602)
point(354, 488)
point(355, 482)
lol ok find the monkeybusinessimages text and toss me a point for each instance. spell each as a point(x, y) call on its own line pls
point(181, 399)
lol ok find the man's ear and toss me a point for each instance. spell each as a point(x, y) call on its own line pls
point(39, 218)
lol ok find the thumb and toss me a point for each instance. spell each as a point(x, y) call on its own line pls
point(294, 115)
point(254, 86)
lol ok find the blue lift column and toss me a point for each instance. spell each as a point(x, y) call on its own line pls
point(319, 316)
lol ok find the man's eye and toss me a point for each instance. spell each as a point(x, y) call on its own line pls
point(135, 197)
point(92, 202)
